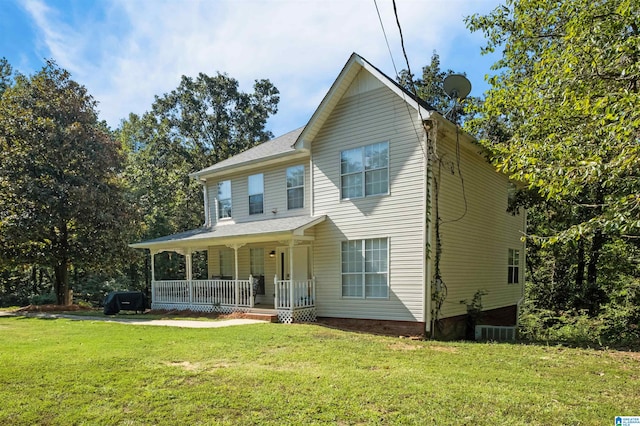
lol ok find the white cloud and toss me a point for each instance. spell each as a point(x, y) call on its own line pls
point(126, 52)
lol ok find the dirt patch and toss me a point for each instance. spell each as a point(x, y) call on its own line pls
point(625, 355)
point(404, 347)
point(447, 349)
point(185, 365)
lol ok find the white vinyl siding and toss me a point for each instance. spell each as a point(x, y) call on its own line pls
point(476, 231)
point(295, 187)
point(356, 121)
point(256, 194)
point(224, 199)
point(365, 171)
point(275, 194)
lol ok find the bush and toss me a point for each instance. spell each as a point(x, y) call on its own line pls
point(43, 299)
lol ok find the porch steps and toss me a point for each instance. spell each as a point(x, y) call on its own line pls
point(268, 315)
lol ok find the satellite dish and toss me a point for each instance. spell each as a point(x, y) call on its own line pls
point(457, 86)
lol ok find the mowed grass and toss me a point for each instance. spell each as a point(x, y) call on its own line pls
point(62, 372)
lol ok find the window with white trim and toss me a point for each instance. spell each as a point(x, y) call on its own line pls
point(227, 266)
point(365, 269)
point(295, 187)
point(224, 199)
point(256, 194)
point(513, 268)
point(364, 171)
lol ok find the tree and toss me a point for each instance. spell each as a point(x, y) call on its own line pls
point(430, 89)
point(61, 197)
point(203, 121)
point(566, 101)
point(6, 75)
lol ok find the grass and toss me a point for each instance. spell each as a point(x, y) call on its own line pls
point(60, 372)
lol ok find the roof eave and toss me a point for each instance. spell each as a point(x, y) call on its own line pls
point(264, 161)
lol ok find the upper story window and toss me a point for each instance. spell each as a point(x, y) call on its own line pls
point(256, 194)
point(364, 171)
point(295, 187)
point(513, 269)
point(224, 199)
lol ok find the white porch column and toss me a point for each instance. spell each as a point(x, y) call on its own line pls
point(189, 272)
point(188, 264)
point(291, 245)
point(153, 266)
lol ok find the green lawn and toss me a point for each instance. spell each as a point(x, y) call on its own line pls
point(59, 371)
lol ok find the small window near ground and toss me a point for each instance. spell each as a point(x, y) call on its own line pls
point(256, 194)
point(224, 199)
point(365, 269)
point(295, 187)
point(514, 267)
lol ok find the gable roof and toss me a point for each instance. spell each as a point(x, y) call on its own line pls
point(273, 149)
point(297, 141)
point(341, 85)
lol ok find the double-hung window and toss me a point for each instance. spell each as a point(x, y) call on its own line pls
point(295, 187)
point(224, 199)
point(365, 269)
point(227, 264)
point(513, 269)
point(364, 171)
point(256, 194)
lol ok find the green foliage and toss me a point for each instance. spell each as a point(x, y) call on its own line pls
point(6, 75)
point(567, 89)
point(43, 299)
point(203, 121)
point(429, 89)
point(61, 197)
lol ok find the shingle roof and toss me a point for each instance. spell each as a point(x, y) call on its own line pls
point(273, 148)
point(234, 230)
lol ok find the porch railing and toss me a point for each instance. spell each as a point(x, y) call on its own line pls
point(294, 294)
point(204, 292)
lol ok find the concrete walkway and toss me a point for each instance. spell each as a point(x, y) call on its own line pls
point(164, 323)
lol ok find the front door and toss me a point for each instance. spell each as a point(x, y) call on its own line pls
point(300, 263)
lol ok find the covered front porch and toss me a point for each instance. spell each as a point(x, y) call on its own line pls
point(261, 267)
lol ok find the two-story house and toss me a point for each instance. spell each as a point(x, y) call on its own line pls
point(379, 208)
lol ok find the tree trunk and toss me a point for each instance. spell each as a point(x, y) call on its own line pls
point(595, 295)
point(581, 291)
point(61, 284)
point(61, 267)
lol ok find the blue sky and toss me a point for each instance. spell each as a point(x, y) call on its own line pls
point(127, 51)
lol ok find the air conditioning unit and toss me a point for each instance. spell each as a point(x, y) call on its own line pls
point(498, 333)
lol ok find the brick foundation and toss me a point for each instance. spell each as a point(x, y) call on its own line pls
point(385, 327)
point(453, 328)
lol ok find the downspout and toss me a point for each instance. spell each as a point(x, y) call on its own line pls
point(205, 193)
point(524, 273)
point(428, 190)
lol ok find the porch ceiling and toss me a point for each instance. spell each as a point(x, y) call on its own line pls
point(235, 233)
